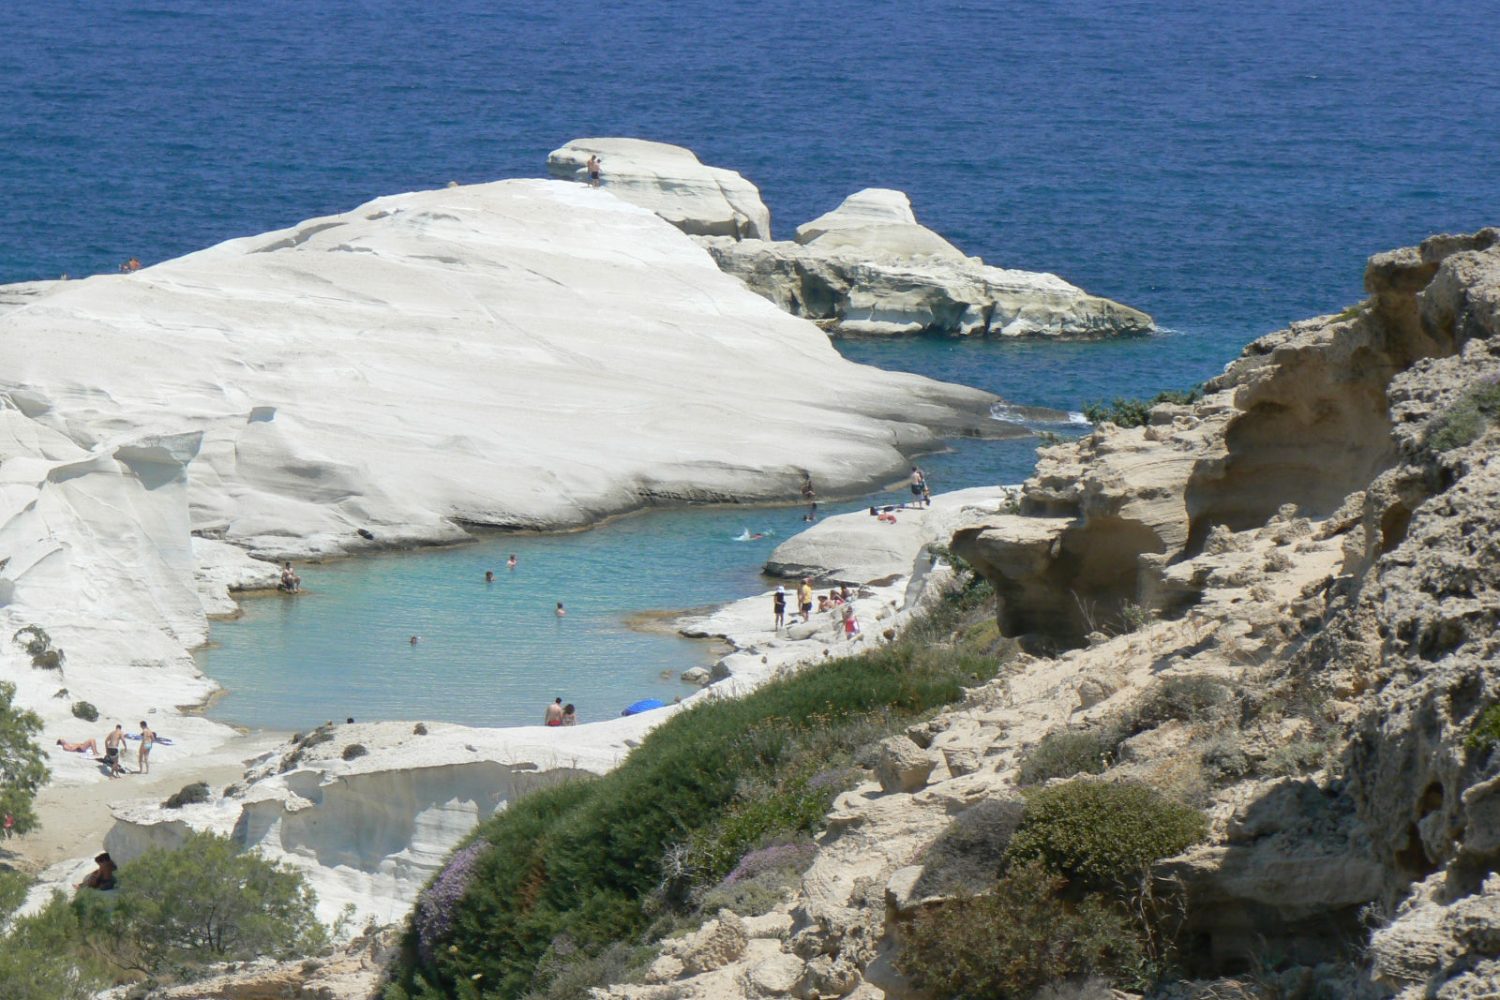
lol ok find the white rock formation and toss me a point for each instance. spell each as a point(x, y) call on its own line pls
point(876, 222)
point(670, 181)
point(525, 353)
point(869, 268)
point(861, 548)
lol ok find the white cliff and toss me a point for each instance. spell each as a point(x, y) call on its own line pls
point(670, 181)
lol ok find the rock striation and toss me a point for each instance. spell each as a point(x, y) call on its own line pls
point(670, 181)
point(868, 268)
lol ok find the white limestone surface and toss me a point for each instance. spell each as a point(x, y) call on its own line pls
point(861, 547)
point(870, 268)
point(876, 222)
point(531, 354)
point(670, 181)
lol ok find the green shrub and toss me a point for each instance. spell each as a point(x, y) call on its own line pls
point(971, 851)
point(42, 958)
point(13, 888)
point(1466, 419)
point(188, 795)
point(1223, 759)
point(1101, 834)
point(1137, 412)
point(1063, 753)
point(1297, 757)
point(584, 859)
point(23, 768)
point(566, 972)
point(1486, 730)
point(86, 711)
point(38, 644)
point(1187, 699)
point(749, 897)
point(1016, 940)
point(354, 751)
point(204, 902)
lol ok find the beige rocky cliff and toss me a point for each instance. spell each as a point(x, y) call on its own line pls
point(869, 268)
point(1314, 549)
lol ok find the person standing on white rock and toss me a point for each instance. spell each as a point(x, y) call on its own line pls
point(594, 169)
point(143, 756)
point(918, 485)
point(778, 607)
point(112, 745)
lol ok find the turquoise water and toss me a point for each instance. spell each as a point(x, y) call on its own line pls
point(495, 654)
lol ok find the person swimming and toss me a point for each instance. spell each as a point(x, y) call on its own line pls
point(511, 562)
point(489, 576)
point(561, 611)
point(750, 536)
point(415, 639)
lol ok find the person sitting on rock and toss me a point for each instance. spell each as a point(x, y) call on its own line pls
point(290, 581)
point(570, 715)
point(822, 604)
point(102, 877)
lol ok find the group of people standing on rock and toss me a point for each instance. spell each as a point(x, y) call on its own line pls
point(114, 748)
point(840, 602)
point(558, 714)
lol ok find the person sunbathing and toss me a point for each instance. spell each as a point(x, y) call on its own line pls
point(87, 746)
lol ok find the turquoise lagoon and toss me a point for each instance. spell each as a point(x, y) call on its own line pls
point(496, 654)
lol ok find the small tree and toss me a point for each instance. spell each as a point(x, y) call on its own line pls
point(204, 902)
point(23, 769)
point(40, 958)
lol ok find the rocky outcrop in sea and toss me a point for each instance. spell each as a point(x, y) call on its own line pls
point(866, 268)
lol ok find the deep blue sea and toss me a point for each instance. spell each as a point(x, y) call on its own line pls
point(1224, 166)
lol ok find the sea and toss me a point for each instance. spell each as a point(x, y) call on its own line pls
point(1227, 167)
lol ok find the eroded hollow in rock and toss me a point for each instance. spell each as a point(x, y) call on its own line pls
point(1311, 445)
point(1084, 589)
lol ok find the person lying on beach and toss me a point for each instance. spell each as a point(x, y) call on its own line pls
point(88, 746)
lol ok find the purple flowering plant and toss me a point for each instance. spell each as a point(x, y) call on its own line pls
point(439, 901)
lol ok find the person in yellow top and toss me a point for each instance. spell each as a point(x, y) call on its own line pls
point(804, 598)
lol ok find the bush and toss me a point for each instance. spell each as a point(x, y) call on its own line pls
point(716, 782)
point(971, 851)
point(1187, 699)
point(749, 897)
point(1063, 753)
point(38, 644)
point(86, 711)
point(1137, 412)
point(13, 888)
point(568, 973)
point(1486, 730)
point(203, 902)
point(41, 957)
point(23, 768)
point(1103, 835)
point(1223, 759)
point(1466, 419)
point(1296, 757)
point(1016, 940)
point(189, 795)
point(354, 751)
